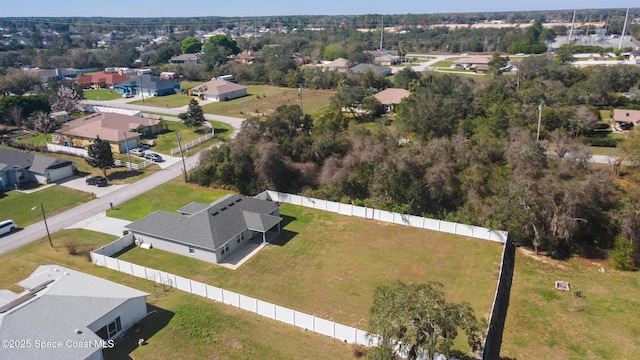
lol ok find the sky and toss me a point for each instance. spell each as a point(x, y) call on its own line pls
point(246, 8)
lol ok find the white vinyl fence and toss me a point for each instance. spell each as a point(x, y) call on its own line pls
point(67, 150)
point(161, 117)
point(387, 216)
point(193, 143)
point(101, 257)
point(109, 109)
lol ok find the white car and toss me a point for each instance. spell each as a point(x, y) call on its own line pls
point(8, 226)
point(127, 95)
point(137, 152)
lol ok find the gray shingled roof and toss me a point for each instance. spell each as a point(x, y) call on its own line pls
point(73, 301)
point(148, 82)
point(34, 162)
point(212, 226)
point(41, 163)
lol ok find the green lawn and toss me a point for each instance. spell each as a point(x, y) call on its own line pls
point(101, 94)
point(182, 323)
point(168, 101)
point(603, 150)
point(222, 130)
point(17, 205)
point(264, 99)
point(543, 323)
point(189, 84)
point(167, 141)
point(329, 265)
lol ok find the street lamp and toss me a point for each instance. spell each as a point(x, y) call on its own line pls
point(44, 218)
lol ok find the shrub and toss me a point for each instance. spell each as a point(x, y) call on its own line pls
point(125, 232)
point(72, 246)
point(621, 257)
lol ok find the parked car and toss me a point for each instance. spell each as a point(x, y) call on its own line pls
point(127, 95)
point(97, 181)
point(8, 226)
point(137, 152)
point(153, 157)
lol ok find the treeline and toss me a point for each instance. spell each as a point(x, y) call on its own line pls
point(458, 149)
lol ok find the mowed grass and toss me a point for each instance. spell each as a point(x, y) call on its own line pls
point(17, 205)
point(167, 101)
point(543, 323)
point(101, 94)
point(329, 265)
point(167, 141)
point(183, 325)
point(264, 99)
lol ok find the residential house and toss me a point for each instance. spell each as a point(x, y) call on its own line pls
point(17, 167)
point(386, 59)
point(100, 80)
point(167, 75)
point(149, 85)
point(376, 69)
point(339, 64)
point(185, 59)
point(247, 58)
point(472, 62)
point(210, 232)
point(219, 90)
point(122, 131)
point(66, 314)
point(59, 74)
point(626, 118)
point(391, 97)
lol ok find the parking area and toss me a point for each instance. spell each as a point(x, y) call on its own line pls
point(79, 183)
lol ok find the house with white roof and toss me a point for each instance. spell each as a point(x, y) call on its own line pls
point(66, 314)
point(219, 90)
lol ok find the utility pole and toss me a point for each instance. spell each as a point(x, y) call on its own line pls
point(141, 92)
point(624, 29)
point(539, 120)
point(126, 143)
point(300, 96)
point(45, 225)
point(381, 33)
point(184, 166)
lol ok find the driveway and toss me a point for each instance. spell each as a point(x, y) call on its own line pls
point(79, 183)
point(102, 223)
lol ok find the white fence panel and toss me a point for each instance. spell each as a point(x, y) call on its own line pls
point(345, 209)
point(320, 204)
point(362, 339)
point(464, 230)
point(333, 206)
point(198, 288)
point(481, 233)
point(248, 303)
point(112, 263)
point(183, 284)
point(285, 315)
point(60, 149)
point(384, 216)
point(295, 199)
point(152, 274)
point(125, 267)
point(499, 236)
point(359, 211)
point(138, 271)
point(431, 224)
point(308, 202)
point(324, 327)
point(99, 260)
point(230, 298)
point(345, 333)
point(401, 219)
point(303, 320)
point(266, 309)
point(214, 293)
point(278, 196)
point(448, 227)
point(167, 278)
point(416, 221)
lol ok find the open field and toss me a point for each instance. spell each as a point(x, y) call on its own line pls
point(17, 205)
point(183, 323)
point(168, 101)
point(101, 94)
point(543, 323)
point(264, 99)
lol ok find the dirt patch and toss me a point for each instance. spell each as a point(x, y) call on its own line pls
point(542, 258)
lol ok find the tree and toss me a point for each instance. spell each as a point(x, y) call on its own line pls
point(217, 49)
point(65, 99)
point(195, 116)
point(334, 51)
point(621, 256)
point(100, 155)
point(18, 82)
point(42, 122)
point(190, 45)
point(416, 320)
point(497, 63)
point(630, 148)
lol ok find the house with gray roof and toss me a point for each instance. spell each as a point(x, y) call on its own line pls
point(148, 85)
point(376, 69)
point(17, 167)
point(210, 232)
point(66, 314)
point(219, 90)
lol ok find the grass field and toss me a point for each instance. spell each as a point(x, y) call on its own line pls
point(17, 205)
point(329, 265)
point(168, 101)
point(167, 141)
point(101, 94)
point(543, 323)
point(264, 99)
point(183, 323)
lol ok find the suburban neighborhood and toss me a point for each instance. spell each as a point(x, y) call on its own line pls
point(419, 186)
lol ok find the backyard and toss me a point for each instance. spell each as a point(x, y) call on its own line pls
point(101, 94)
point(178, 323)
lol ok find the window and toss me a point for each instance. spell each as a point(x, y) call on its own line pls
point(192, 251)
point(225, 249)
point(110, 330)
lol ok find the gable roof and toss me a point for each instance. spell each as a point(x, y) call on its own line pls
point(34, 162)
point(624, 115)
point(391, 96)
point(218, 87)
point(337, 63)
point(376, 69)
point(210, 226)
point(108, 126)
point(149, 81)
point(58, 304)
point(185, 57)
point(473, 60)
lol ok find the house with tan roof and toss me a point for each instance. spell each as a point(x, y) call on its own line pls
point(122, 131)
point(626, 117)
point(339, 64)
point(185, 59)
point(219, 90)
point(472, 62)
point(391, 97)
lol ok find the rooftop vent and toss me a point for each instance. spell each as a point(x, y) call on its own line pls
point(215, 213)
point(223, 208)
point(238, 199)
point(230, 205)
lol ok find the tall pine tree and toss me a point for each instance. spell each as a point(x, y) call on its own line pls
point(195, 115)
point(100, 155)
